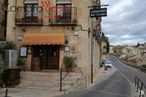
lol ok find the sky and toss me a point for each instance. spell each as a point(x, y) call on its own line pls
point(125, 22)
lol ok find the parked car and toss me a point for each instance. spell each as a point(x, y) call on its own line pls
point(102, 63)
point(106, 63)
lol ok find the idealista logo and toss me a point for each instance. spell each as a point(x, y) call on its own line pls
point(47, 5)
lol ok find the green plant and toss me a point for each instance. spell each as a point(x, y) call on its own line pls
point(20, 62)
point(10, 45)
point(69, 61)
point(7, 45)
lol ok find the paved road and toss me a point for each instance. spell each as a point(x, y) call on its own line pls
point(128, 71)
point(116, 85)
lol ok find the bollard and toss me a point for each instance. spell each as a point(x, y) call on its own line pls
point(137, 85)
point(6, 93)
point(61, 79)
point(135, 80)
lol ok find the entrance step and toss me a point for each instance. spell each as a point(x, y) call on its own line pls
point(47, 80)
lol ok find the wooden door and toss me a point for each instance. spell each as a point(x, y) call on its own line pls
point(53, 57)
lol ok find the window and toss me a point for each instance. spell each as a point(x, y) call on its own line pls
point(64, 11)
point(63, 0)
point(31, 10)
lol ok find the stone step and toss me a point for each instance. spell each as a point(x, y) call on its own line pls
point(46, 77)
point(47, 80)
point(38, 87)
point(29, 74)
point(40, 83)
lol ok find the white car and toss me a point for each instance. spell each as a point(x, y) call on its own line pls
point(108, 64)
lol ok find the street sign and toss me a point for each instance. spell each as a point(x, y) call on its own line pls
point(98, 12)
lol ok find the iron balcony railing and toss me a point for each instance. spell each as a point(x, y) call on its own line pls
point(140, 87)
point(21, 19)
point(64, 16)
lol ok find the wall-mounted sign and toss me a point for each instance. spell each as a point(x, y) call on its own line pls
point(23, 51)
point(98, 12)
point(19, 38)
point(67, 49)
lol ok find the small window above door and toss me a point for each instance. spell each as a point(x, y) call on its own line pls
point(63, 1)
point(30, 1)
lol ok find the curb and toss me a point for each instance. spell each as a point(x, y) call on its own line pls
point(103, 75)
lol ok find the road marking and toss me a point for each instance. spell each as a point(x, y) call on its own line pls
point(105, 92)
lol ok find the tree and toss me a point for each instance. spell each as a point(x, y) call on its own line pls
point(138, 44)
point(108, 47)
point(106, 40)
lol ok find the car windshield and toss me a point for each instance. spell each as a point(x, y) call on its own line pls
point(108, 62)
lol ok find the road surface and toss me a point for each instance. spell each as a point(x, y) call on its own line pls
point(117, 85)
point(128, 71)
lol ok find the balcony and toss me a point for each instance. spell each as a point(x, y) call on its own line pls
point(28, 21)
point(63, 18)
point(22, 20)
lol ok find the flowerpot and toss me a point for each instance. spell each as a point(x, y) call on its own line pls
point(68, 69)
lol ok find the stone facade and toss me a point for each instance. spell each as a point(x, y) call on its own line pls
point(3, 16)
point(77, 35)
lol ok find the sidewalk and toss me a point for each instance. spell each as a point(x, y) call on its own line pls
point(104, 74)
point(19, 92)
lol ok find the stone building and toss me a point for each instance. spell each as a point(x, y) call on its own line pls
point(47, 30)
point(3, 19)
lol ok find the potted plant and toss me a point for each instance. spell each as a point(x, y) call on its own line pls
point(21, 63)
point(69, 63)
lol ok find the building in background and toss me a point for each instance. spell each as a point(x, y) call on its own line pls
point(134, 55)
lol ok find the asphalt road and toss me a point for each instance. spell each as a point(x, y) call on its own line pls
point(116, 85)
point(128, 71)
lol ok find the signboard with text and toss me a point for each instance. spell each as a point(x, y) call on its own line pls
point(98, 12)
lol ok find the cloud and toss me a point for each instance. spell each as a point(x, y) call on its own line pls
point(126, 21)
point(129, 42)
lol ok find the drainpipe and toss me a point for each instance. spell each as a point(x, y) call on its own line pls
point(91, 52)
point(91, 48)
